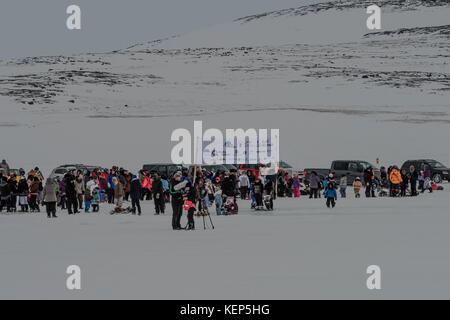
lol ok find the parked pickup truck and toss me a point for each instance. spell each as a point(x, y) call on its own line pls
point(354, 168)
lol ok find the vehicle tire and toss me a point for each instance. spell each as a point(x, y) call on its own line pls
point(437, 178)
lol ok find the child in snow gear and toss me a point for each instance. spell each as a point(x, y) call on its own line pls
point(189, 206)
point(95, 202)
point(87, 199)
point(343, 186)
point(396, 179)
point(331, 194)
point(296, 185)
point(357, 185)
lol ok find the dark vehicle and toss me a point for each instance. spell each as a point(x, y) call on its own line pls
point(255, 168)
point(231, 167)
point(439, 172)
point(211, 168)
point(167, 169)
point(354, 168)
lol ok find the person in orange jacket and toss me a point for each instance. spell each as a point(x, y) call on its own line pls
point(396, 179)
point(147, 187)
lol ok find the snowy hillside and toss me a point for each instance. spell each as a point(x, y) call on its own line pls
point(296, 64)
point(323, 23)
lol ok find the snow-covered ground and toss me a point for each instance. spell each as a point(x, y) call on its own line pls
point(302, 250)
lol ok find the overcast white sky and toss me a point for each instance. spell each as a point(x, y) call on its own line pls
point(38, 27)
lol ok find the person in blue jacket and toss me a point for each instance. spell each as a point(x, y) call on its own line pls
point(331, 194)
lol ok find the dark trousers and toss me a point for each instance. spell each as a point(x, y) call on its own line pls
point(313, 193)
point(177, 207)
point(244, 192)
point(146, 194)
point(51, 209)
point(135, 203)
point(190, 216)
point(159, 203)
point(403, 190)
point(13, 203)
point(258, 198)
point(72, 203)
point(63, 202)
point(5, 203)
point(331, 202)
point(33, 203)
point(110, 195)
point(370, 192)
point(95, 208)
point(413, 188)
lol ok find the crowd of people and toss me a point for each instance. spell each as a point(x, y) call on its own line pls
point(193, 191)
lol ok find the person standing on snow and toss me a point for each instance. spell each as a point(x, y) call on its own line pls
point(343, 186)
point(12, 182)
point(34, 193)
point(244, 183)
point(330, 194)
point(22, 190)
point(135, 194)
point(404, 184)
point(71, 193)
point(50, 198)
point(357, 185)
point(176, 190)
point(296, 184)
point(111, 186)
point(5, 194)
point(314, 182)
point(119, 192)
point(413, 177)
point(368, 181)
point(80, 190)
point(189, 205)
point(158, 195)
point(396, 179)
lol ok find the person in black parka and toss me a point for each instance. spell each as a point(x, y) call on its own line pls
point(135, 194)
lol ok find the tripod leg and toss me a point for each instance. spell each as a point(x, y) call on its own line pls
point(210, 220)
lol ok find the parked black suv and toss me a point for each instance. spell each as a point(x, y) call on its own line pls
point(439, 172)
point(167, 169)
